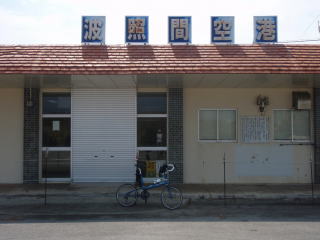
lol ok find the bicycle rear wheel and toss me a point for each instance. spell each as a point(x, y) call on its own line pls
point(171, 198)
point(126, 195)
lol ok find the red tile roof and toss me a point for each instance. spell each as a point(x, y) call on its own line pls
point(154, 59)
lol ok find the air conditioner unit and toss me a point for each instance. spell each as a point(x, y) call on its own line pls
point(301, 100)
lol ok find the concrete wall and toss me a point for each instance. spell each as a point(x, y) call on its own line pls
point(11, 135)
point(245, 163)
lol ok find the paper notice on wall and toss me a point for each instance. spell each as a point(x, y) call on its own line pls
point(55, 125)
point(151, 169)
point(254, 129)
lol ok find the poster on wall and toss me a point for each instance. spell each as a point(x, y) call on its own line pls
point(55, 126)
point(151, 169)
point(254, 129)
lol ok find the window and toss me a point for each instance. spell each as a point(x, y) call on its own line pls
point(57, 165)
point(56, 132)
point(292, 125)
point(218, 125)
point(152, 103)
point(56, 135)
point(152, 132)
point(151, 161)
point(56, 103)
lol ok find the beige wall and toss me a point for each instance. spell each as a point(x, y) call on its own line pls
point(11, 135)
point(245, 163)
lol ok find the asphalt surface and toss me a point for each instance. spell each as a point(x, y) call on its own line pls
point(211, 210)
point(200, 219)
point(91, 212)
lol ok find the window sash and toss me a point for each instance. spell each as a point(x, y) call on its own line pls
point(282, 125)
point(53, 149)
point(152, 132)
point(57, 165)
point(227, 125)
point(218, 126)
point(302, 131)
point(56, 115)
point(298, 129)
point(151, 103)
point(152, 115)
point(56, 138)
point(152, 148)
point(151, 106)
point(208, 125)
point(56, 103)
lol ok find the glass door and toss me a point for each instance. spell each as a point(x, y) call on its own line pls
point(152, 133)
point(56, 136)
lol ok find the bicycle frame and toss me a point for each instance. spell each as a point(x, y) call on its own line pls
point(163, 182)
point(171, 197)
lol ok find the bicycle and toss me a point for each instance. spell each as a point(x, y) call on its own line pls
point(171, 197)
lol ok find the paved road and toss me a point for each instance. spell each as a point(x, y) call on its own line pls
point(202, 219)
point(162, 230)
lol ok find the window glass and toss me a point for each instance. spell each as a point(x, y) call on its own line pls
point(57, 165)
point(56, 103)
point(208, 125)
point(152, 103)
point(150, 162)
point(282, 124)
point(301, 125)
point(227, 125)
point(56, 132)
point(152, 132)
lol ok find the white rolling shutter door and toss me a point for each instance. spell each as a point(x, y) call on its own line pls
point(103, 135)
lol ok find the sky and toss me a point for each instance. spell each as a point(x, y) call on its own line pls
point(59, 21)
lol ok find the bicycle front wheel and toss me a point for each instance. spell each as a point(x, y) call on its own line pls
point(171, 198)
point(126, 195)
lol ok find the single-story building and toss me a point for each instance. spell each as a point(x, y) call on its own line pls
point(88, 113)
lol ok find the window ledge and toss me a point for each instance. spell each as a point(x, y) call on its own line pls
point(217, 141)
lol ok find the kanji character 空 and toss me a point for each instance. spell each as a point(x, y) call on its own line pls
point(222, 30)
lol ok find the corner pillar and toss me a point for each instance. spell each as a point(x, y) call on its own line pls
point(175, 127)
point(31, 136)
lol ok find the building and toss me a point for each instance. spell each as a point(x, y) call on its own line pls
point(81, 113)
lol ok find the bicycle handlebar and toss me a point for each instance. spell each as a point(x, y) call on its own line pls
point(171, 167)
